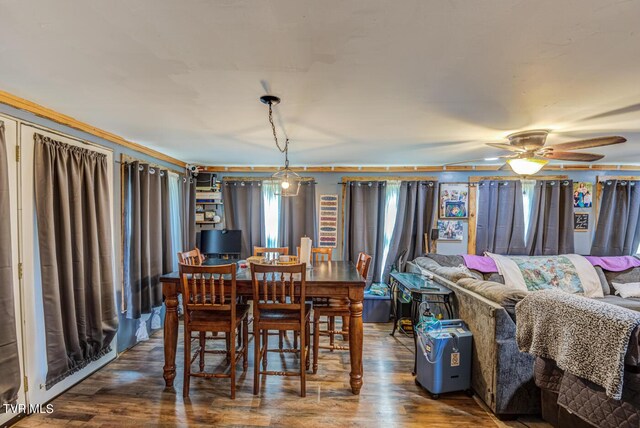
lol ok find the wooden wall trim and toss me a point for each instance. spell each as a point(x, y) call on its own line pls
point(47, 113)
point(477, 179)
point(414, 169)
point(347, 178)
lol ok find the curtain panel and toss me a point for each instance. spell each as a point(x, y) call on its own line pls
point(73, 213)
point(364, 204)
point(148, 249)
point(551, 225)
point(500, 218)
point(188, 212)
point(416, 212)
point(618, 229)
point(9, 361)
point(298, 217)
point(243, 210)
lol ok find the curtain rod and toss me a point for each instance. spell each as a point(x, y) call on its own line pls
point(124, 159)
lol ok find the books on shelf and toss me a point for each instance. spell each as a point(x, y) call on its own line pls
point(209, 196)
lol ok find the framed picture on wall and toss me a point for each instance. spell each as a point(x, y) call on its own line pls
point(450, 230)
point(581, 222)
point(582, 194)
point(454, 200)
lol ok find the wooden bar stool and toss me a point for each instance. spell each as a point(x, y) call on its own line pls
point(332, 309)
point(279, 304)
point(209, 307)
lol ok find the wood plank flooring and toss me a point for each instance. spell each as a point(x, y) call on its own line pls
point(130, 392)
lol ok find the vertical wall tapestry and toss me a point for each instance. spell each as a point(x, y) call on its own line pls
point(328, 221)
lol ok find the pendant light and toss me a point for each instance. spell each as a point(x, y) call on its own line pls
point(526, 166)
point(286, 180)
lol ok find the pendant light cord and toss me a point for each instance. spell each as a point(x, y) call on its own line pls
point(284, 150)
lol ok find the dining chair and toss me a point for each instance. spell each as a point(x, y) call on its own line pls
point(192, 258)
point(261, 251)
point(319, 254)
point(208, 306)
point(279, 304)
point(195, 258)
point(331, 309)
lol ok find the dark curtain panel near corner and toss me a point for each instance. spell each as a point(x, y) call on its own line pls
point(76, 255)
point(298, 217)
point(551, 223)
point(618, 229)
point(364, 223)
point(416, 211)
point(188, 212)
point(500, 218)
point(148, 247)
point(243, 210)
point(9, 361)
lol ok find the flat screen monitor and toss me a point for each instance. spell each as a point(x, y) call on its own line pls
point(220, 241)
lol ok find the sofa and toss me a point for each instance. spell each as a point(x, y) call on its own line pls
point(502, 376)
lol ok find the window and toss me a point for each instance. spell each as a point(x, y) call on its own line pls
point(271, 212)
point(390, 214)
point(528, 189)
point(175, 202)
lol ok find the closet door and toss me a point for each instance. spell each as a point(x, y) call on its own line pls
point(35, 291)
point(11, 142)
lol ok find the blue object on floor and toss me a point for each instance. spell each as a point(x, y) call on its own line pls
point(377, 308)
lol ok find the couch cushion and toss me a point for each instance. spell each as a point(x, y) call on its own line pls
point(505, 296)
point(632, 303)
point(606, 288)
point(495, 277)
point(446, 260)
point(454, 273)
point(623, 277)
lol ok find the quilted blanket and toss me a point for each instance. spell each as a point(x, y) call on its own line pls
point(568, 272)
point(586, 338)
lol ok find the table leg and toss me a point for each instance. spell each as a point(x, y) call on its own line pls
point(415, 317)
point(170, 332)
point(394, 305)
point(356, 336)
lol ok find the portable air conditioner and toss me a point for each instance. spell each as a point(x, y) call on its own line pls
point(444, 358)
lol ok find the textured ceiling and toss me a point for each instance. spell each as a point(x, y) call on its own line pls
point(363, 82)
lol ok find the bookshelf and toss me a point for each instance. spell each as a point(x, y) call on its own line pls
point(209, 205)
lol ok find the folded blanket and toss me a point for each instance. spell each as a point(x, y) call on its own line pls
point(614, 264)
point(585, 337)
point(482, 264)
point(568, 272)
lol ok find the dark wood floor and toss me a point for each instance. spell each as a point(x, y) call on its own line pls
point(130, 392)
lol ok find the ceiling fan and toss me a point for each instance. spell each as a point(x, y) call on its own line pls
point(531, 153)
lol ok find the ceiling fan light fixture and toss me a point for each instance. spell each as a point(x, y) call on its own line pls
point(527, 166)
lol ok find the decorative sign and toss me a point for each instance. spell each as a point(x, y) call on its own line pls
point(582, 195)
point(450, 230)
point(328, 221)
point(581, 222)
point(454, 200)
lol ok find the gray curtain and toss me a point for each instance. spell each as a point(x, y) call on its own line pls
point(618, 229)
point(76, 254)
point(416, 212)
point(298, 217)
point(364, 204)
point(500, 218)
point(147, 249)
point(243, 210)
point(188, 212)
point(551, 222)
point(9, 361)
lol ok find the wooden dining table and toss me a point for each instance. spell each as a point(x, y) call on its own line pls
point(326, 279)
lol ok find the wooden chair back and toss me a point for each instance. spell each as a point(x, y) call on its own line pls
point(364, 260)
point(204, 289)
point(274, 288)
point(192, 258)
point(261, 251)
point(319, 254)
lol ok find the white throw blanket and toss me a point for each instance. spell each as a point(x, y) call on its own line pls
point(585, 337)
point(568, 272)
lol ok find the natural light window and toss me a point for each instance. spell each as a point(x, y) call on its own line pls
point(271, 212)
point(390, 214)
point(528, 189)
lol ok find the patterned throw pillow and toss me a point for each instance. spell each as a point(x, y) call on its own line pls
point(631, 289)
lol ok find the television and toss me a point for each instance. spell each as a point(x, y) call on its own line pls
point(220, 241)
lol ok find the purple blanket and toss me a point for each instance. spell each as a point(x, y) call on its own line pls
point(614, 264)
point(482, 264)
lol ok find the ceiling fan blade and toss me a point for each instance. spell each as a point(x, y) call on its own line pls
point(478, 160)
point(505, 167)
point(506, 147)
point(572, 156)
point(592, 142)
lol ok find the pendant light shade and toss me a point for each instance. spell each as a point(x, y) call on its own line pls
point(527, 166)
